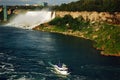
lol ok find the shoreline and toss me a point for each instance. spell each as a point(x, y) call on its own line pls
point(76, 34)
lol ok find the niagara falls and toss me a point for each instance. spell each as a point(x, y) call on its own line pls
point(59, 40)
point(31, 19)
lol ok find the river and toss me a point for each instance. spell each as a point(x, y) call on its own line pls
point(24, 55)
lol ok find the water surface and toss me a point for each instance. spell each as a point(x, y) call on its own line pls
point(24, 54)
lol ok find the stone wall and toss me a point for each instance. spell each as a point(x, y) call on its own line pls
point(93, 16)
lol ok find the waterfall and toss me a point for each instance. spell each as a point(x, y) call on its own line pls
point(31, 19)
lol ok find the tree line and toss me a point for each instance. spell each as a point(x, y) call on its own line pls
point(90, 5)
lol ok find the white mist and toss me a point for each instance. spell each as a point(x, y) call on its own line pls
point(31, 19)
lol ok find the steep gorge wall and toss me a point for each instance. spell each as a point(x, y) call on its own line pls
point(93, 16)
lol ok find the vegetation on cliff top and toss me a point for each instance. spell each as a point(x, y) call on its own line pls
point(91, 5)
point(106, 36)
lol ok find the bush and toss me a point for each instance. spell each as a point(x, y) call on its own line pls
point(69, 22)
point(57, 21)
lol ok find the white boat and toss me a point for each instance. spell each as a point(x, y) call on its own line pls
point(60, 69)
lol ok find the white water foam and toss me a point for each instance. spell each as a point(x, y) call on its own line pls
point(31, 19)
point(24, 78)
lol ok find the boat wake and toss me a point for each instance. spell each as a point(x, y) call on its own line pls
point(31, 19)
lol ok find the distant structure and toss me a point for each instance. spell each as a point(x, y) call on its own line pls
point(45, 4)
point(5, 12)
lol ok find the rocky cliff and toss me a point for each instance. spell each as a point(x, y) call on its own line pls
point(93, 16)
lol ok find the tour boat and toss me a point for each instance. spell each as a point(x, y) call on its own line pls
point(60, 69)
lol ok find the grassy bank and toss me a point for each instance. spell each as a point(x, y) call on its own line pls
point(106, 36)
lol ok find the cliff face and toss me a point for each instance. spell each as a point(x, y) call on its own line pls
point(93, 16)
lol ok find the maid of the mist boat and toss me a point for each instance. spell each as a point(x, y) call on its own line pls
point(60, 69)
